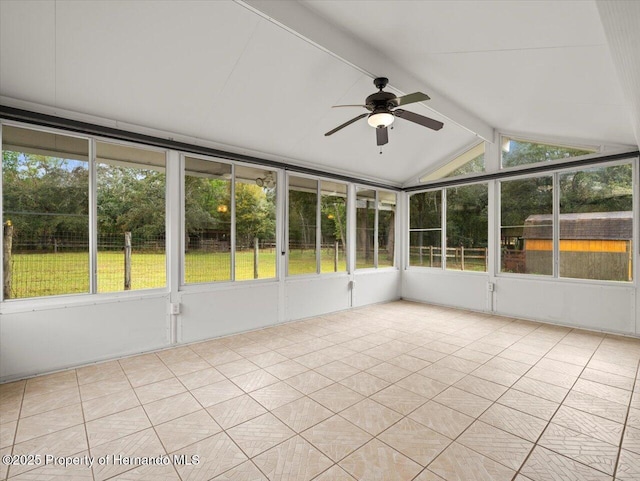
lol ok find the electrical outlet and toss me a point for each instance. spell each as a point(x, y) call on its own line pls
point(491, 286)
point(175, 308)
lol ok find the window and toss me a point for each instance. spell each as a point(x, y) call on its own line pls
point(207, 221)
point(425, 229)
point(303, 214)
point(469, 162)
point(596, 223)
point(386, 228)
point(594, 238)
point(317, 226)
point(365, 228)
point(214, 224)
point(375, 228)
point(521, 152)
point(467, 227)
point(45, 189)
point(526, 230)
point(255, 208)
point(57, 246)
point(131, 190)
point(333, 227)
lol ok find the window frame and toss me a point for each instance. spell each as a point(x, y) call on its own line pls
point(318, 227)
point(92, 190)
point(376, 247)
point(442, 229)
point(208, 285)
point(555, 174)
point(597, 151)
point(427, 176)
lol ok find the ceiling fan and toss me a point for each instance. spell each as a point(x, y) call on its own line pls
point(384, 108)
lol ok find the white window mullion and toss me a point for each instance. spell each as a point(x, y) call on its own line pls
point(1, 223)
point(636, 228)
point(556, 225)
point(375, 230)
point(443, 226)
point(93, 219)
point(318, 227)
point(232, 257)
point(285, 225)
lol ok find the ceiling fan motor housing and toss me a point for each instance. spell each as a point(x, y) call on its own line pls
point(381, 100)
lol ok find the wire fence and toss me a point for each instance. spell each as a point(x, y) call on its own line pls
point(458, 258)
point(59, 264)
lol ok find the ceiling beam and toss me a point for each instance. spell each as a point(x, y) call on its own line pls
point(620, 19)
point(309, 26)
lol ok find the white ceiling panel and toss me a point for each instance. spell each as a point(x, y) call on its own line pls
point(406, 27)
point(552, 82)
point(27, 50)
point(157, 64)
point(277, 92)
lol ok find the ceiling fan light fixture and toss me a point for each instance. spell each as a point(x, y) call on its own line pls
point(380, 119)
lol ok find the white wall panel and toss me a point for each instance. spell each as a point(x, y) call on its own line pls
point(219, 312)
point(312, 296)
point(45, 340)
point(580, 304)
point(467, 291)
point(592, 306)
point(376, 286)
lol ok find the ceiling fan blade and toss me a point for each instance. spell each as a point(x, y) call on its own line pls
point(411, 98)
point(418, 119)
point(334, 106)
point(382, 135)
point(345, 124)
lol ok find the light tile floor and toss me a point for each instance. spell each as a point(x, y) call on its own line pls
point(398, 391)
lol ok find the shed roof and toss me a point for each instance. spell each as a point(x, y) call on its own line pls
point(587, 225)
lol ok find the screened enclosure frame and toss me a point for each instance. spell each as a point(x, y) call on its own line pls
point(318, 227)
point(555, 174)
point(443, 230)
point(234, 165)
point(554, 171)
point(376, 239)
point(92, 208)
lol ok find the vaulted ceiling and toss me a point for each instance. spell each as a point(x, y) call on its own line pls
point(260, 77)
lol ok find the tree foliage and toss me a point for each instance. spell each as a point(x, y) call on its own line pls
point(48, 198)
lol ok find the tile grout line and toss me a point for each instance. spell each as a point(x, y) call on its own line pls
point(626, 420)
point(556, 411)
point(496, 402)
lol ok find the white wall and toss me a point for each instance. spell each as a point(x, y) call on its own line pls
point(374, 286)
point(52, 338)
point(589, 305)
point(74, 331)
point(233, 308)
point(467, 291)
point(580, 304)
point(313, 296)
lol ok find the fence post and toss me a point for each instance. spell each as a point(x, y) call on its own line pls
point(256, 251)
point(6, 265)
point(335, 256)
point(420, 255)
point(127, 261)
point(462, 258)
point(430, 256)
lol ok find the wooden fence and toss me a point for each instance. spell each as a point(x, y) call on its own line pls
point(460, 256)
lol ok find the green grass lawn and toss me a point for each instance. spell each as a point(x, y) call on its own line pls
point(36, 275)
